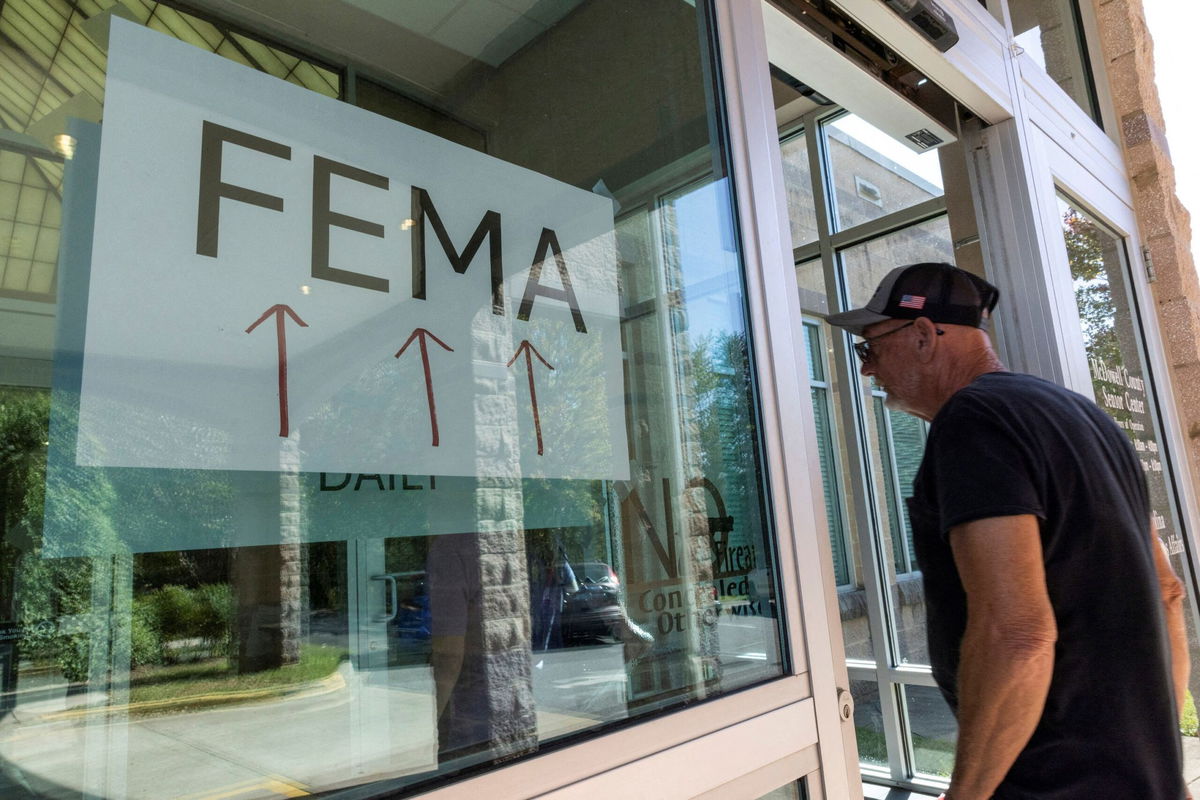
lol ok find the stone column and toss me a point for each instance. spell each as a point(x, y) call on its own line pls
point(499, 509)
point(1164, 223)
point(268, 581)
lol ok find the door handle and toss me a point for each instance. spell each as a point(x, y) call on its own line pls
point(393, 597)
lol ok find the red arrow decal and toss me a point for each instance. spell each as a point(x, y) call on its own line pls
point(279, 310)
point(527, 349)
point(420, 334)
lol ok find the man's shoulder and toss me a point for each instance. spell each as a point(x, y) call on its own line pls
point(991, 390)
point(1024, 402)
point(1015, 396)
point(1002, 388)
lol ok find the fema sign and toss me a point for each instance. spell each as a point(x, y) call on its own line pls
point(279, 278)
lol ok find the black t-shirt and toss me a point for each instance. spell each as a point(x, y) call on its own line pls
point(1015, 444)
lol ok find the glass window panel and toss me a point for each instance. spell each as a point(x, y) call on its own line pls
point(16, 275)
point(9, 194)
point(30, 189)
point(868, 723)
point(24, 239)
point(837, 488)
point(41, 278)
point(825, 451)
point(902, 445)
point(316, 78)
point(1121, 383)
point(30, 204)
point(873, 175)
point(810, 275)
point(816, 353)
point(226, 49)
point(52, 214)
point(12, 166)
point(895, 521)
point(270, 60)
point(934, 730)
point(865, 265)
point(797, 182)
point(793, 791)
point(906, 592)
point(908, 447)
point(1051, 33)
point(896, 441)
point(199, 32)
point(180, 630)
point(833, 512)
point(46, 248)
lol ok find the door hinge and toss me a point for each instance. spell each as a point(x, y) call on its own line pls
point(1151, 275)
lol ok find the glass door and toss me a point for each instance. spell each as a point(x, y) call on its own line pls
point(1124, 386)
point(861, 203)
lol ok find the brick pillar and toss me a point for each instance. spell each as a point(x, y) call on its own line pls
point(269, 581)
point(1162, 219)
point(1165, 226)
point(500, 515)
point(292, 578)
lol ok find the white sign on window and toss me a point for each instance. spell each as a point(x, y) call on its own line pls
point(269, 263)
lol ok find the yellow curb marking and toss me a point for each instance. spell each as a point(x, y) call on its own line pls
point(330, 684)
point(274, 783)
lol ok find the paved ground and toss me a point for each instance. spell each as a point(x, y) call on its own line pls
point(366, 726)
point(1191, 763)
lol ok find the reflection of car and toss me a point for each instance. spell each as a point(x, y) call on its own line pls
point(596, 573)
point(590, 613)
point(593, 613)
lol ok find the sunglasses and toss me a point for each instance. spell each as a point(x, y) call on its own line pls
point(863, 348)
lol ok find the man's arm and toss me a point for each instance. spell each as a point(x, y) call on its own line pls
point(1007, 649)
point(1172, 600)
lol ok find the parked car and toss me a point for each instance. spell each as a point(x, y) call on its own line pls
point(590, 612)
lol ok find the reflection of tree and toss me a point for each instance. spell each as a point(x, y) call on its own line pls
point(61, 526)
point(35, 588)
point(720, 371)
point(1085, 254)
point(725, 424)
point(24, 418)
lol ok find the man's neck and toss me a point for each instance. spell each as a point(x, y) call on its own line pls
point(962, 374)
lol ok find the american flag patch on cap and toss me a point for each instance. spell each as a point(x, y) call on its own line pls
point(916, 301)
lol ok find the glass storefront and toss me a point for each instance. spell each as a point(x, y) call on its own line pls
point(378, 404)
point(1123, 386)
point(372, 414)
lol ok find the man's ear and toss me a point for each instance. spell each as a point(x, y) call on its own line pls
point(927, 339)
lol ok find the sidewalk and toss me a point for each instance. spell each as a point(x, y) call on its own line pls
point(1191, 763)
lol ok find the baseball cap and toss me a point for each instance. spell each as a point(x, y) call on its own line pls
point(942, 292)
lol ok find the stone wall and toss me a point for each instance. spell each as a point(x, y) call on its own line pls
point(1128, 54)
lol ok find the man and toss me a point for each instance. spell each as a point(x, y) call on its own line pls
point(1055, 623)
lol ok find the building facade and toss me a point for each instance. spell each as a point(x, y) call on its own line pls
point(431, 400)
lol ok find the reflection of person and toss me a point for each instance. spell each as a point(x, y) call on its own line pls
point(455, 586)
point(1054, 620)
